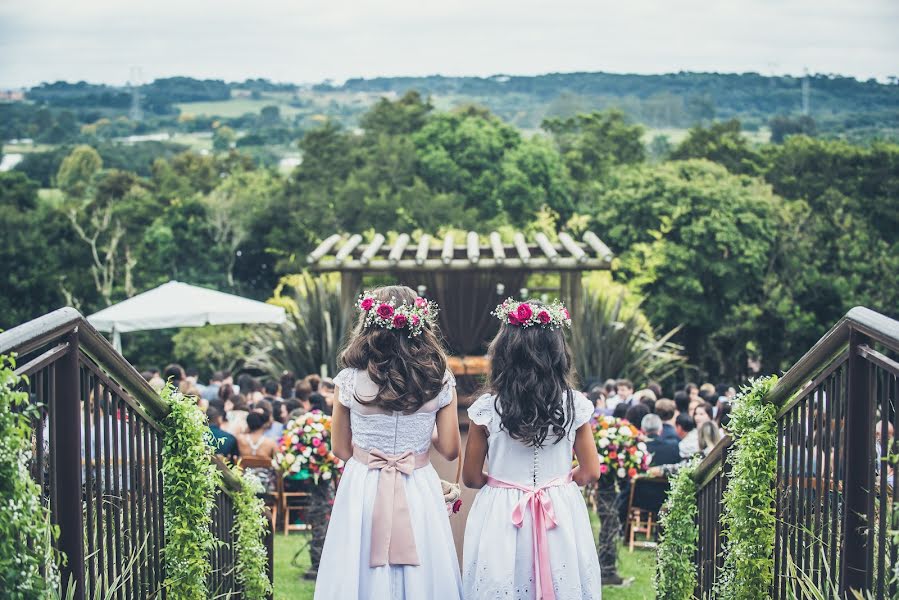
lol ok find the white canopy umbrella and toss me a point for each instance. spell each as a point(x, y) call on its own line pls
point(176, 304)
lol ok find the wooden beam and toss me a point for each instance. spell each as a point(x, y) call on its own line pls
point(599, 248)
point(323, 248)
point(522, 247)
point(474, 247)
point(499, 253)
point(347, 249)
point(424, 244)
point(463, 264)
point(547, 247)
point(569, 244)
point(372, 249)
point(396, 253)
point(446, 255)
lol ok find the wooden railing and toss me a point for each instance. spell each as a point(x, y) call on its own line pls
point(98, 458)
point(834, 489)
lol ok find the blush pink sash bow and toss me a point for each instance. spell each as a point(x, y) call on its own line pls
point(544, 518)
point(392, 541)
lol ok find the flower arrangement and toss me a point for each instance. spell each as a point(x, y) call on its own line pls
point(621, 446)
point(525, 314)
point(389, 315)
point(305, 449)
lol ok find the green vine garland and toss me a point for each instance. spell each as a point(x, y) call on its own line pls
point(748, 518)
point(191, 480)
point(250, 526)
point(675, 569)
point(27, 560)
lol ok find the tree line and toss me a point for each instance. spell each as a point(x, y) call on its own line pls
point(753, 250)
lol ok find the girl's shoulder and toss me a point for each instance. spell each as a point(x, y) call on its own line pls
point(345, 382)
point(482, 410)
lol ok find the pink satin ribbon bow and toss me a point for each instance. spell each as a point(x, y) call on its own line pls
point(392, 540)
point(541, 506)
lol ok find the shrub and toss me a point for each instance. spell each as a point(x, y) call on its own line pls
point(190, 480)
point(748, 518)
point(27, 561)
point(675, 570)
point(250, 525)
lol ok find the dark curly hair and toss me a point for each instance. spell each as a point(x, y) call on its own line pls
point(408, 370)
point(531, 375)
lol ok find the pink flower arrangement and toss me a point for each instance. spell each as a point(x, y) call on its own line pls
point(305, 449)
point(411, 316)
point(621, 446)
point(525, 314)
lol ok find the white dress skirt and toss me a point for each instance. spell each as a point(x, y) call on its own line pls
point(344, 573)
point(498, 557)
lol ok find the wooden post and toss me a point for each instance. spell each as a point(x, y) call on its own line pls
point(350, 284)
point(67, 457)
point(859, 480)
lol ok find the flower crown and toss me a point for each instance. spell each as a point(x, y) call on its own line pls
point(387, 315)
point(525, 314)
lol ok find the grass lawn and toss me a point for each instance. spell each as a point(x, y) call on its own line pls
point(289, 584)
point(235, 107)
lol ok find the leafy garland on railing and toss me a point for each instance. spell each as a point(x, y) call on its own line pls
point(27, 560)
point(250, 528)
point(190, 480)
point(748, 519)
point(675, 569)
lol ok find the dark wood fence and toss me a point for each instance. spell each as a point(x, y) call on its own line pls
point(836, 425)
point(98, 457)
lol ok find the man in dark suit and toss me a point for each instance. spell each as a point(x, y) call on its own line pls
point(664, 450)
point(667, 409)
point(225, 443)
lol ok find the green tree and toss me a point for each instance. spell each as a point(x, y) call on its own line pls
point(722, 143)
point(223, 138)
point(77, 170)
point(593, 143)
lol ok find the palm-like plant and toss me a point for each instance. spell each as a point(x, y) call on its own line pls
point(613, 338)
point(309, 340)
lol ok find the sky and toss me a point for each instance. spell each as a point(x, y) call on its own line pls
point(304, 41)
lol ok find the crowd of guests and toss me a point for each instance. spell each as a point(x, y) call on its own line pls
point(247, 417)
point(676, 430)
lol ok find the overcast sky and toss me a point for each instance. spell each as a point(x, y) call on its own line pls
point(313, 40)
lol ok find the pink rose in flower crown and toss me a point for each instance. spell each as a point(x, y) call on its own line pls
point(385, 311)
point(420, 302)
point(399, 321)
point(513, 320)
point(543, 317)
point(523, 312)
point(415, 320)
point(367, 303)
point(565, 313)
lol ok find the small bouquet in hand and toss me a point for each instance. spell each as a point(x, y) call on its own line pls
point(621, 446)
point(305, 449)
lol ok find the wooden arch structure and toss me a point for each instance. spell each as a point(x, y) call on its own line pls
point(468, 279)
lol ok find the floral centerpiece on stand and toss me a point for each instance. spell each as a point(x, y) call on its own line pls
point(305, 449)
point(305, 456)
point(623, 455)
point(621, 447)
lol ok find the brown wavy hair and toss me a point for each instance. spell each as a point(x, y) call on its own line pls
point(531, 374)
point(408, 370)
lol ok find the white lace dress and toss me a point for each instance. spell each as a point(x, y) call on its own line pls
point(345, 573)
point(497, 556)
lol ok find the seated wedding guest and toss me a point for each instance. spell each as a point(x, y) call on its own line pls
point(193, 376)
point(314, 380)
point(326, 389)
point(271, 390)
point(273, 428)
point(237, 416)
point(682, 402)
point(701, 414)
point(255, 443)
point(645, 396)
point(655, 387)
point(225, 443)
point(709, 436)
point(664, 452)
point(211, 391)
point(635, 414)
point(625, 391)
point(667, 410)
point(620, 410)
point(688, 434)
point(317, 402)
point(287, 381)
point(174, 373)
point(302, 391)
point(279, 411)
point(692, 391)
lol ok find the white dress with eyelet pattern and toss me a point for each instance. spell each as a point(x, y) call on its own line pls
point(498, 557)
point(344, 573)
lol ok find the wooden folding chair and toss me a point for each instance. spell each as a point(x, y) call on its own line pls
point(643, 507)
point(292, 502)
point(272, 499)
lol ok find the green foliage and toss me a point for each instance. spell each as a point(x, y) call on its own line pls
point(77, 170)
point(250, 527)
point(212, 347)
point(27, 560)
point(748, 518)
point(722, 143)
point(614, 339)
point(311, 337)
point(675, 571)
point(190, 480)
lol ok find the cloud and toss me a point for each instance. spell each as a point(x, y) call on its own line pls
point(310, 40)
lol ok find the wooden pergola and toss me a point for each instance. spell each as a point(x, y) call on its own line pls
point(470, 276)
